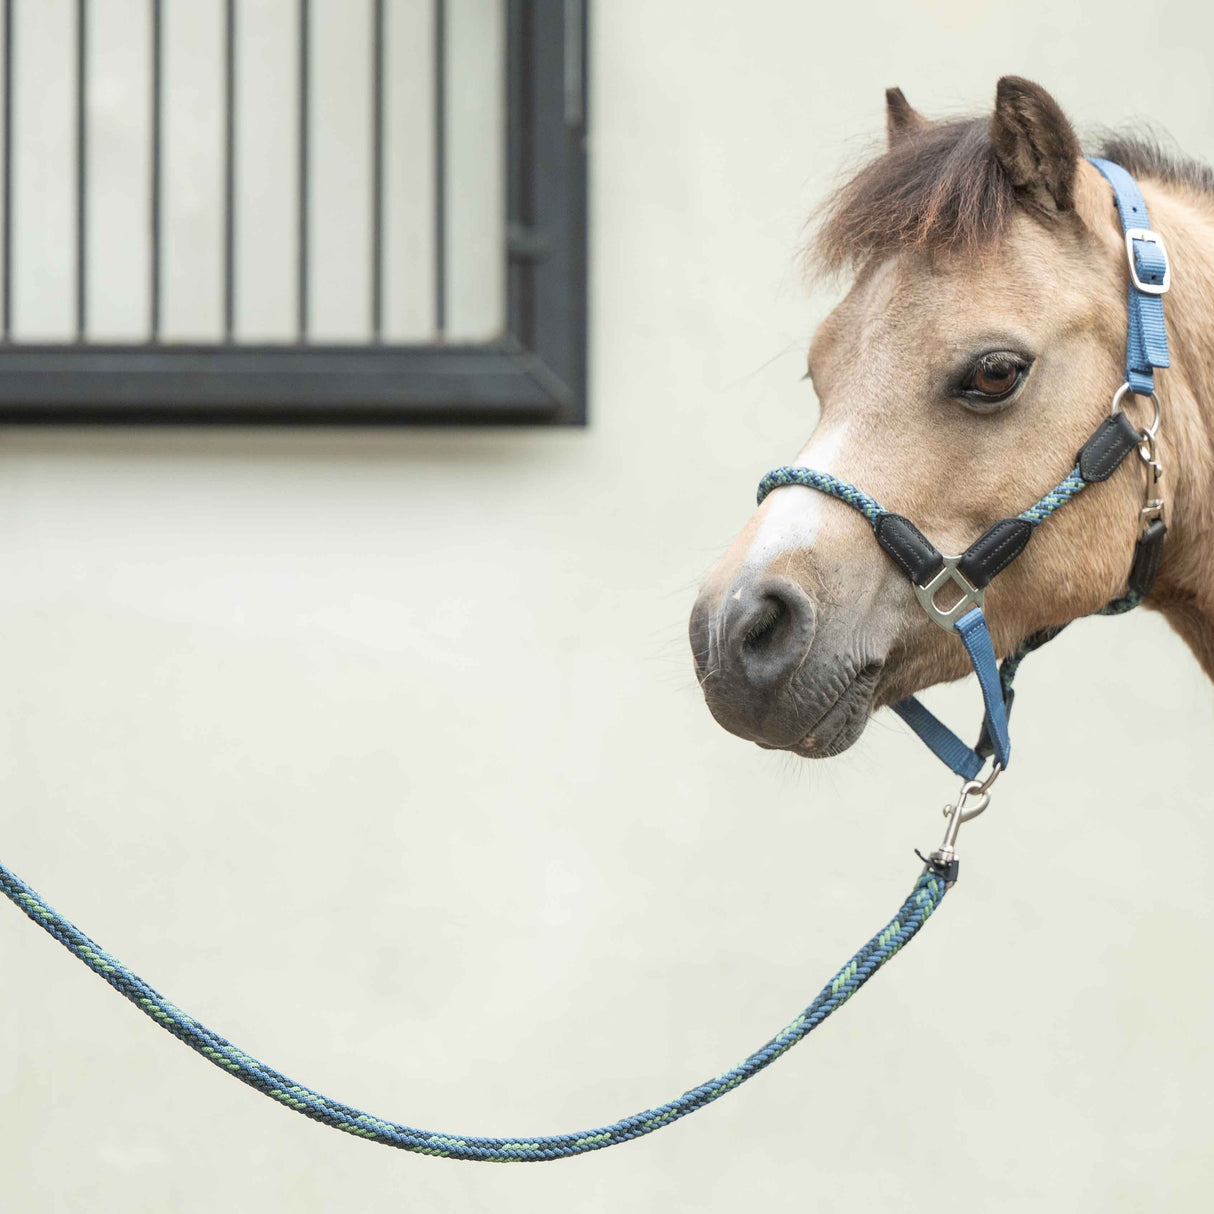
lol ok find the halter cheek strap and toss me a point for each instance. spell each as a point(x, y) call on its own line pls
point(931, 572)
point(1146, 345)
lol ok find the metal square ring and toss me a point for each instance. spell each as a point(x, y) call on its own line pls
point(971, 595)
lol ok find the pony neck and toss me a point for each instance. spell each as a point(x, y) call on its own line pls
point(1185, 588)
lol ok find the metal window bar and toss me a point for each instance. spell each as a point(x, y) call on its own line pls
point(533, 373)
point(440, 165)
point(229, 170)
point(156, 169)
point(305, 116)
point(81, 168)
point(7, 236)
point(377, 172)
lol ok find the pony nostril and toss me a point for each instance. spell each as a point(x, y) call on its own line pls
point(767, 631)
point(761, 634)
point(749, 643)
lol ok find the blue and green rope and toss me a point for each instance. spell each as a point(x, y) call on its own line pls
point(811, 478)
point(914, 912)
point(1061, 493)
point(824, 482)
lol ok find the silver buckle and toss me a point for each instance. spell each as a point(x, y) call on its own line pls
point(1147, 237)
point(947, 617)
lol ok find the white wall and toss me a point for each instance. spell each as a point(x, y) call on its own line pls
point(381, 753)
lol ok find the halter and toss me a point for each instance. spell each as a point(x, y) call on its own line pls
point(931, 572)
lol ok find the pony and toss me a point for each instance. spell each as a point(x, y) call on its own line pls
point(979, 345)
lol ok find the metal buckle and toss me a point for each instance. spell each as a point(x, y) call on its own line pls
point(1147, 237)
point(947, 617)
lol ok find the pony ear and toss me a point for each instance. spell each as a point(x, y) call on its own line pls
point(1035, 144)
point(901, 119)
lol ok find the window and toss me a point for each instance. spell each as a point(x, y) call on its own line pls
point(286, 211)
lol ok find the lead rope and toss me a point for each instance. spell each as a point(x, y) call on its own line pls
point(914, 912)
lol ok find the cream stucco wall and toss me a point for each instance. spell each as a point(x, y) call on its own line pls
point(382, 754)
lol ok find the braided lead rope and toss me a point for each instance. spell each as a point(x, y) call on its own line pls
point(914, 912)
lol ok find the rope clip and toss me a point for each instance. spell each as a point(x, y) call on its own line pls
point(1153, 505)
point(973, 798)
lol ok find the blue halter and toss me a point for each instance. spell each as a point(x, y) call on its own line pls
point(930, 571)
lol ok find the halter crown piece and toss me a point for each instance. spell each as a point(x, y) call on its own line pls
point(931, 573)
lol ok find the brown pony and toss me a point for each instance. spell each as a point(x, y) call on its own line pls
point(979, 346)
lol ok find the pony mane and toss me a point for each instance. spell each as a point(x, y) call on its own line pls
point(942, 188)
point(1148, 153)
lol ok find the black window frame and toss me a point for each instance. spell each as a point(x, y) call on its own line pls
point(534, 374)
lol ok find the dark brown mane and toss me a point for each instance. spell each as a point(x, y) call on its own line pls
point(943, 188)
point(1146, 154)
point(939, 188)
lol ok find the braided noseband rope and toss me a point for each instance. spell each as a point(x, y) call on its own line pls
point(824, 482)
point(811, 478)
point(914, 912)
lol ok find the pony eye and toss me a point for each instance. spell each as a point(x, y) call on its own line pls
point(993, 378)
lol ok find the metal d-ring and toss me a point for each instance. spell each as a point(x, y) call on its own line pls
point(947, 617)
point(1118, 396)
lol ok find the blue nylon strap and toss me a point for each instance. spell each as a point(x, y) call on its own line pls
point(977, 640)
point(1146, 344)
point(937, 737)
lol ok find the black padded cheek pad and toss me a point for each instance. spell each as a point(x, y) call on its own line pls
point(1147, 553)
point(994, 550)
point(1112, 441)
point(907, 547)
